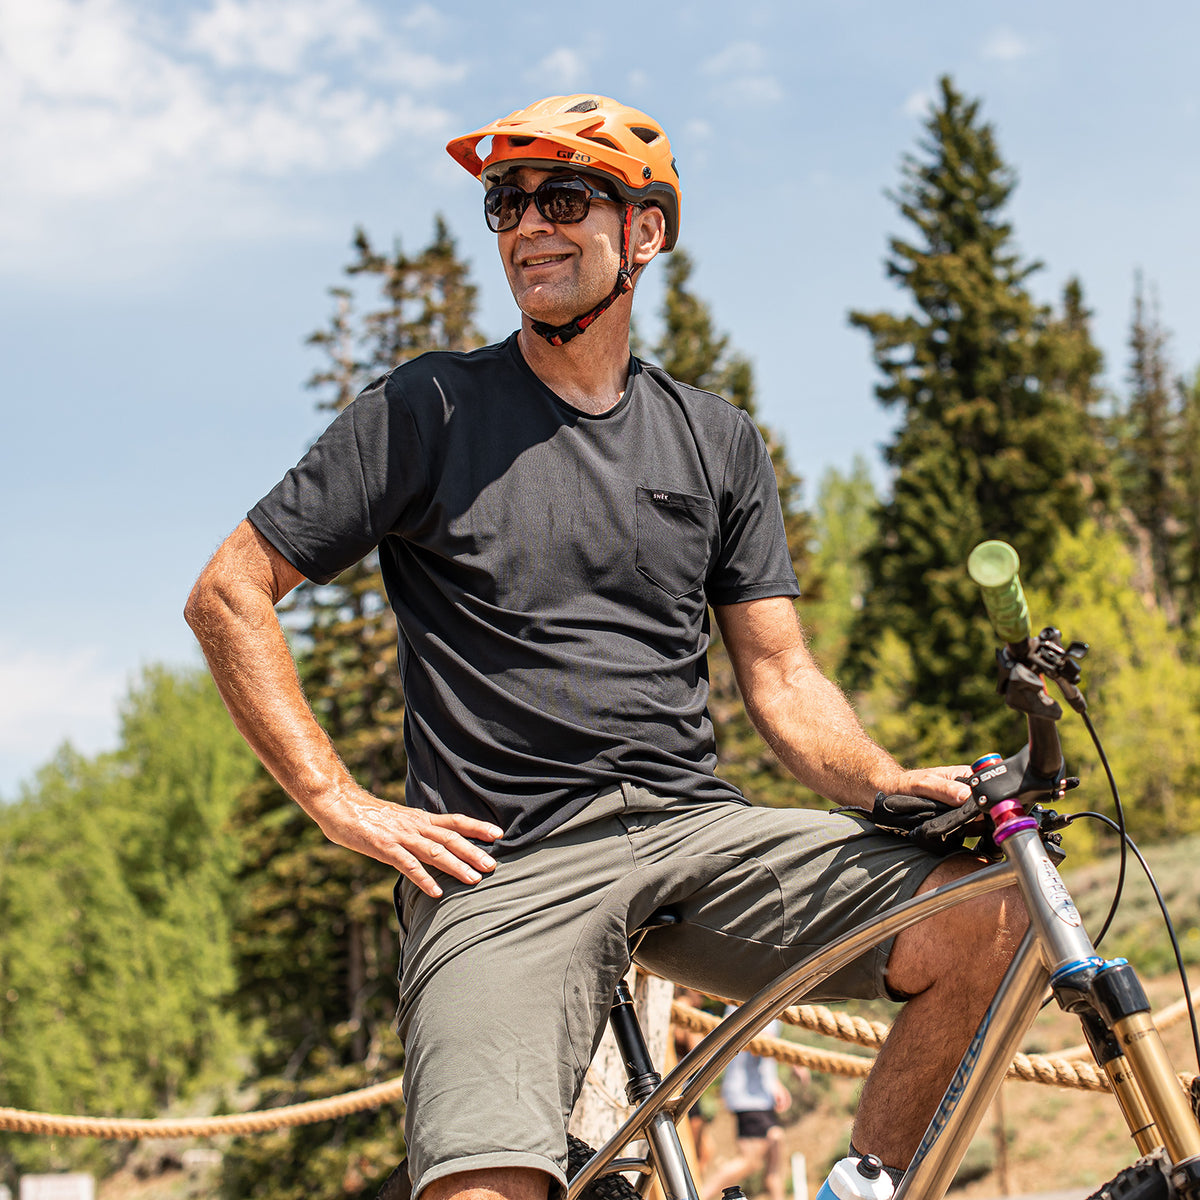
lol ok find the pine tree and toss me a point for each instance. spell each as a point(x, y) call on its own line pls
point(1189, 500)
point(116, 901)
point(1150, 473)
point(995, 437)
point(691, 351)
point(317, 944)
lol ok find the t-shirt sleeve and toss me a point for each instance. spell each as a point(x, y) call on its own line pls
point(350, 490)
point(753, 560)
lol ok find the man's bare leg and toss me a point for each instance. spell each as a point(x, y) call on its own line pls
point(499, 1183)
point(950, 965)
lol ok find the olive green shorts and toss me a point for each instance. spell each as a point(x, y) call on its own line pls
point(506, 984)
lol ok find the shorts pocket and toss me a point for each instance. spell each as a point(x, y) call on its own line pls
point(675, 534)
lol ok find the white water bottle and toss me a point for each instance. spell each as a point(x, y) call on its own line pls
point(857, 1179)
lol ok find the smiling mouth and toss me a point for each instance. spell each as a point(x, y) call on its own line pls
point(541, 260)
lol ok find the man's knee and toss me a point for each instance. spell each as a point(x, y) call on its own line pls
point(971, 943)
point(494, 1183)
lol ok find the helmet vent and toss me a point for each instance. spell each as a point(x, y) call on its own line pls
point(649, 136)
point(583, 106)
point(604, 141)
point(519, 141)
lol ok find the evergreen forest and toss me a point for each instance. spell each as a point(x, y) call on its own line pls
point(176, 937)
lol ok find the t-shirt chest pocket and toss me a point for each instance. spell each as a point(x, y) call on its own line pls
point(674, 538)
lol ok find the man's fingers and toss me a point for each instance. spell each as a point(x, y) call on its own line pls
point(411, 869)
point(457, 846)
point(470, 827)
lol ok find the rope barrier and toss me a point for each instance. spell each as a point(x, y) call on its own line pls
point(260, 1121)
point(1033, 1068)
point(1061, 1070)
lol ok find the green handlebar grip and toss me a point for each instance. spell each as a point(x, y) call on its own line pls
point(994, 566)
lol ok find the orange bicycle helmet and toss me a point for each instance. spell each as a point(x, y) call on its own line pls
point(596, 134)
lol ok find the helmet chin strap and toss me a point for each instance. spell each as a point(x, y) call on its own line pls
point(559, 335)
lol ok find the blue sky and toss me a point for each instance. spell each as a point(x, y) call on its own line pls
point(181, 181)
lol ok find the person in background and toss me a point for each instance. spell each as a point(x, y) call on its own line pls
point(752, 1091)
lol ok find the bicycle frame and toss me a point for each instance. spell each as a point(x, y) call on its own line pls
point(1055, 956)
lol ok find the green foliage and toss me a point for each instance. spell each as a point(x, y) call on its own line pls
point(316, 946)
point(114, 899)
point(691, 352)
point(845, 525)
point(1143, 691)
point(996, 436)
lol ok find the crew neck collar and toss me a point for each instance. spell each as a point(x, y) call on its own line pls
point(635, 369)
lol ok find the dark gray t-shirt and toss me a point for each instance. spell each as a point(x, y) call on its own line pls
point(550, 572)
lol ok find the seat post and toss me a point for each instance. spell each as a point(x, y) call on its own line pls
point(631, 1042)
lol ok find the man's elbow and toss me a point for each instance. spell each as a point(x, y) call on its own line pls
point(197, 612)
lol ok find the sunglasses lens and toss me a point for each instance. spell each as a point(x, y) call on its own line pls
point(503, 206)
point(563, 201)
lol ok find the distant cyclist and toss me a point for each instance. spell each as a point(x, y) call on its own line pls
point(554, 519)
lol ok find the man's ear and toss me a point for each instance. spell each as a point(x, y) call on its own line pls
point(648, 234)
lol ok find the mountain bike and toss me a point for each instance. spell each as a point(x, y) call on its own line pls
point(1006, 820)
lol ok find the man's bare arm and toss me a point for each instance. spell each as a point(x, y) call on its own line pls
point(232, 612)
point(805, 718)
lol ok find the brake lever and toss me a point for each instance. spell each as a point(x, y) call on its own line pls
point(1013, 778)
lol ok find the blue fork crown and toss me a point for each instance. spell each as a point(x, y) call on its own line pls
point(1093, 966)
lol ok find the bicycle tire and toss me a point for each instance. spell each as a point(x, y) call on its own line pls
point(1146, 1179)
point(606, 1187)
point(397, 1185)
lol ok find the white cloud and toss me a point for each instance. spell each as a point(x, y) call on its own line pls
point(1004, 45)
point(562, 69)
point(99, 103)
point(918, 103)
point(424, 19)
point(46, 699)
point(742, 69)
point(278, 35)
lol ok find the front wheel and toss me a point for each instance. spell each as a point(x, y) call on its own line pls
point(1146, 1179)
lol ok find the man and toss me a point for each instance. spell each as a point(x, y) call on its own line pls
point(553, 520)
point(753, 1093)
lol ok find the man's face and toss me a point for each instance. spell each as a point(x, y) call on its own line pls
point(557, 272)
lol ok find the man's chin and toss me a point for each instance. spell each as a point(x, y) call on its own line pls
point(550, 312)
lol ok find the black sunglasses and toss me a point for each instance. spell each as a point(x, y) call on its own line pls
point(563, 201)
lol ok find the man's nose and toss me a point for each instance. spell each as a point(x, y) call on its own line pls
point(532, 221)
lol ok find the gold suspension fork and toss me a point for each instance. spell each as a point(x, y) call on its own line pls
point(1159, 1085)
point(1151, 1098)
point(1107, 1052)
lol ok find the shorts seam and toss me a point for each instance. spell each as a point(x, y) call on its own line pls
point(569, 961)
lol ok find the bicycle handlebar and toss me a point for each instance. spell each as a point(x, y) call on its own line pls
point(994, 566)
